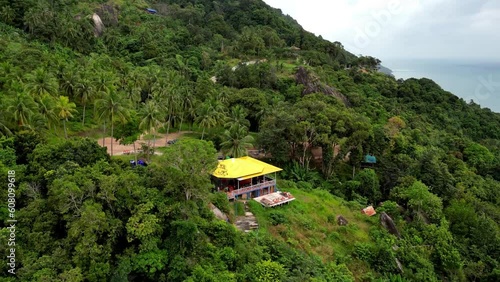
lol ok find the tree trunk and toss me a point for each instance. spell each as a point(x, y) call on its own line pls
point(303, 158)
point(135, 154)
point(83, 119)
point(203, 133)
point(148, 155)
point(112, 128)
point(168, 125)
point(180, 124)
point(104, 135)
point(154, 141)
point(168, 130)
point(65, 132)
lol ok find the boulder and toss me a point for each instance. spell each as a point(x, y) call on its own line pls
point(342, 221)
point(218, 213)
point(388, 224)
point(98, 25)
point(400, 266)
point(108, 13)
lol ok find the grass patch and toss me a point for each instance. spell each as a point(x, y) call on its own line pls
point(288, 66)
point(125, 158)
point(194, 135)
point(239, 209)
point(151, 137)
point(309, 223)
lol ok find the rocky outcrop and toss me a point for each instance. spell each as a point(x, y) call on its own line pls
point(218, 213)
point(108, 14)
point(249, 63)
point(388, 224)
point(98, 25)
point(342, 221)
point(312, 84)
point(400, 266)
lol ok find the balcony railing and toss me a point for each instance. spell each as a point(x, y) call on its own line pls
point(248, 189)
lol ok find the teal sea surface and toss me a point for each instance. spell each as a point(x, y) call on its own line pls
point(471, 80)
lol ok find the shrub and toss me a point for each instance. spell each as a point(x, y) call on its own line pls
point(331, 218)
point(239, 209)
point(334, 236)
point(220, 201)
point(304, 185)
point(276, 218)
point(363, 251)
point(286, 184)
point(389, 207)
point(339, 272)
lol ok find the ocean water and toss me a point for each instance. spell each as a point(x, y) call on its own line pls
point(471, 80)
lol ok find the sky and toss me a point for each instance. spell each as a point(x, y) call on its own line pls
point(391, 29)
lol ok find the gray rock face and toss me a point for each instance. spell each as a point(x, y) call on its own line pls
point(108, 14)
point(388, 224)
point(98, 25)
point(218, 213)
point(342, 221)
point(400, 266)
point(312, 84)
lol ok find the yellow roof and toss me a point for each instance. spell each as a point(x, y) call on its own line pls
point(243, 168)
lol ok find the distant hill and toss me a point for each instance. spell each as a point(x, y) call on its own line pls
point(385, 70)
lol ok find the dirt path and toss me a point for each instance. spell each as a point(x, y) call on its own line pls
point(248, 222)
point(119, 149)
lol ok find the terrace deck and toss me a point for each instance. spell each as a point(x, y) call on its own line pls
point(275, 199)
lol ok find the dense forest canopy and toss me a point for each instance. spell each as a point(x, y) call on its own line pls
point(239, 75)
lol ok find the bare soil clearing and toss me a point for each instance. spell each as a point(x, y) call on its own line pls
point(119, 149)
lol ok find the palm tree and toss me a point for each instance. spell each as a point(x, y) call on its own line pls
point(237, 116)
point(68, 82)
point(186, 101)
point(7, 15)
point(171, 104)
point(169, 95)
point(150, 119)
point(47, 110)
point(22, 108)
point(152, 73)
point(210, 114)
point(8, 74)
point(136, 81)
point(223, 95)
point(40, 83)
point(112, 107)
point(237, 141)
point(4, 129)
point(65, 110)
point(33, 18)
point(85, 92)
point(104, 82)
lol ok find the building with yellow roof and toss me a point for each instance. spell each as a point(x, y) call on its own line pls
point(245, 177)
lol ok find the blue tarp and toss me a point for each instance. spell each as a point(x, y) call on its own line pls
point(370, 159)
point(152, 11)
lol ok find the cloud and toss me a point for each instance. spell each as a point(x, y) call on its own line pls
point(403, 28)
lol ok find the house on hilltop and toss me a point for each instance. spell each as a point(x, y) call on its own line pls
point(245, 178)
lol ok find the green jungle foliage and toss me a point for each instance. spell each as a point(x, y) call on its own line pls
point(313, 107)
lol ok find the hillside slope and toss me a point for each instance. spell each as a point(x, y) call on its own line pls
point(313, 107)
